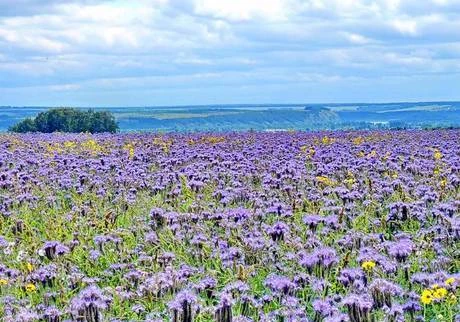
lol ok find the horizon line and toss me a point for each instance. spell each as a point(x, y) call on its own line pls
point(235, 104)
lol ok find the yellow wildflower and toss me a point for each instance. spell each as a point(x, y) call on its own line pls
point(3, 282)
point(368, 265)
point(372, 154)
point(69, 144)
point(440, 293)
point(30, 267)
point(426, 297)
point(325, 180)
point(131, 152)
point(30, 288)
point(327, 140)
point(437, 155)
point(359, 140)
point(213, 139)
point(91, 146)
point(349, 181)
point(443, 183)
point(450, 281)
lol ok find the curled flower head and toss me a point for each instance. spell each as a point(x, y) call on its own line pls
point(51, 249)
point(183, 306)
point(89, 304)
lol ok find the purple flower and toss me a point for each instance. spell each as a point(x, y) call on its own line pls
point(400, 250)
point(207, 284)
point(26, 315)
point(94, 255)
point(348, 276)
point(151, 238)
point(52, 314)
point(383, 291)
point(312, 221)
point(359, 307)
point(54, 248)
point(45, 275)
point(319, 261)
point(183, 306)
point(157, 217)
point(322, 308)
point(280, 284)
point(224, 309)
point(278, 231)
point(89, 305)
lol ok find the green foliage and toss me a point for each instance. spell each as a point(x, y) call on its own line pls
point(68, 120)
point(27, 125)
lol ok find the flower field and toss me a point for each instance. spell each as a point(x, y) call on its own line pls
point(285, 226)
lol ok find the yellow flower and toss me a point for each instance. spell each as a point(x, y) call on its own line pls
point(372, 154)
point(440, 293)
point(131, 152)
point(30, 288)
point(450, 281)
point(325, 180)
point(426, 297)
point(368, 265)
point(327, 140)
point(359, 140)
point(3, 282)
point(350, 181)
point(69, 144)
point(30, 267)
point(443, 183)
point(437, 155)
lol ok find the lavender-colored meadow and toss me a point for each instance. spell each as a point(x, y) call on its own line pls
point(287, 226)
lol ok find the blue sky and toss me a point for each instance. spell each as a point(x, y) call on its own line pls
point(176, 52)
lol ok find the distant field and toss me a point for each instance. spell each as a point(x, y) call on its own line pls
point(270, 117)
point(255, 226)
point(171, 115)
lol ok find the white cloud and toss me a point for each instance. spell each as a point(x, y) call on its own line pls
point(357, 38)
point(64, 87)
point(243, 10)
point(407, 27)
point(122, 44)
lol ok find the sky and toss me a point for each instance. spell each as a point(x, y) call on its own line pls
point(189, 52)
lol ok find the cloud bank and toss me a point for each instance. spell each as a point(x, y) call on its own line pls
point(168, 52)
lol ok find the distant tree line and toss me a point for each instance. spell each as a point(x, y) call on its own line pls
point(68, 120)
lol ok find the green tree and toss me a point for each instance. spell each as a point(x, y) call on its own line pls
point(27, 125)
point(68, 120)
